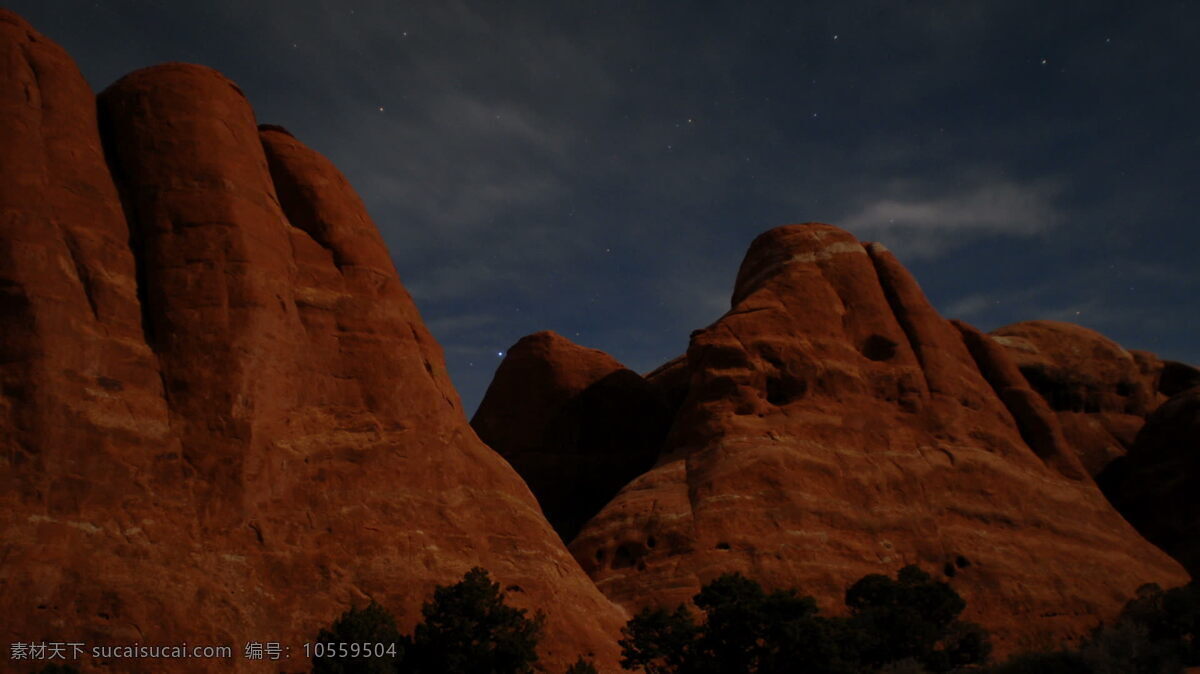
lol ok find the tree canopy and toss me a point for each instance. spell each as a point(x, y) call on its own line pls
point(910, 619)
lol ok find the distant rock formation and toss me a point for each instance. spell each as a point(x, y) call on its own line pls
point(1155, 485)
point(832, 424)
point(575, 423)
point(221, 416)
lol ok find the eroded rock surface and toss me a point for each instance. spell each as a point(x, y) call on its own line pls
point(222, 418)
point(834, 426)
point(1100, 392)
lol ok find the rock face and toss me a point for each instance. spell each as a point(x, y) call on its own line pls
point(1155, 484)
point(575, 423)
point(222, 418)
point(1100, 392)
point(834, 426)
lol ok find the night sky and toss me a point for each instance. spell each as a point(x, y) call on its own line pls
point(600, 168)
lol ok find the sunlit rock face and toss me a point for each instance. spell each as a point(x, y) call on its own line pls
point(222, 418)
point(834, 425)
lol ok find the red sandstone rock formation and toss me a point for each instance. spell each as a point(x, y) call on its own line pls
point(221, 416)
point(575, 423)
point(1156, 483)
point(1100, 392)
point(834, 425)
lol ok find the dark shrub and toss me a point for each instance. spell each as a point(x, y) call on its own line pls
point(1058, 662)
point(468, 629)
point(912, 618)
point(582, 666)
point(371, 625)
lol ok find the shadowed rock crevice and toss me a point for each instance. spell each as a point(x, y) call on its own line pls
point(1038, 425)
point(1175, 378)
point(1155, 485)
point(574, 423)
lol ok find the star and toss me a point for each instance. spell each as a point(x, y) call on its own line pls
point(381, 108)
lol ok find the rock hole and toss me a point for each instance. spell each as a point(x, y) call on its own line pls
point(641, 565)
point(514, 588)
point(600, 555)
point(879, 348)
point(962, 562)
point(950, 570)
point(1125, 389)
point(110, 384)
point(783, 390)
point(651, 542)
point(723, 546)
point(624, 557)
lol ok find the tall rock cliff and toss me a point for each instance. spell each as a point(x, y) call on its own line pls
point(834, 425)
point(221, 416)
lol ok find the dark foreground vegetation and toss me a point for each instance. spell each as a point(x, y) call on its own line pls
point(910, 622)
point(467, 628)
point(1158, 632)
point(906, 625)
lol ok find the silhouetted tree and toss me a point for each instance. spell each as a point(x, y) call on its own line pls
point(658, 642)
point(912, 617)
point(908, 625)
point(749, 630)
point(371, 625)
point(582, 666)
point(1158, 632)
point(468, 629)
point(1055, 662)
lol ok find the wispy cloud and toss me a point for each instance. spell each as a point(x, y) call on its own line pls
point(917, 224)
